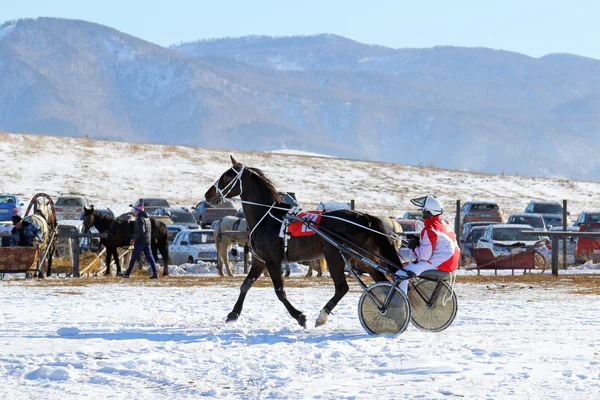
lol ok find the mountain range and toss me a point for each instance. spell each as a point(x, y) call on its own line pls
point(449, 107)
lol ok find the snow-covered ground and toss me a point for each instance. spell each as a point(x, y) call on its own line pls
point(154, 340)
point(131, 341)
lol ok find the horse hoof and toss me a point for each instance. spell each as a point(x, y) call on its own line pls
point(302, 320)
point(322, 318)
point(232, 316)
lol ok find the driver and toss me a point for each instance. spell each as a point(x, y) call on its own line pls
point(24, 233)
point(436, 246)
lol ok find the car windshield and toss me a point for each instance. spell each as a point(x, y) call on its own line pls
point(484, 207)
point(202, 237)
point(69, 202)
point(512, 234)
point(407, 227)
point(548, 208)
point(182, 217)
point(7, 200)
point(536, 222)
point(474, 235)
point(592, 218)
point(155, 203)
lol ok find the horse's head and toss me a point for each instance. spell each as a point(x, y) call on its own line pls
point(228, 185)
point(89, 218)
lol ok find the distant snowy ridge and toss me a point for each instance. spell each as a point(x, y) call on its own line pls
point(473, 109)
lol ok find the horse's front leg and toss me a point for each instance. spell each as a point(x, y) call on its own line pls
point(275, 273)
point(336, 266)
point(108, 260)
point(255, 271)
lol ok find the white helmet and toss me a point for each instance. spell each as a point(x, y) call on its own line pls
point(429, 203)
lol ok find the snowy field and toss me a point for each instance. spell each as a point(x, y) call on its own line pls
point(152, 340)
point(141, 340)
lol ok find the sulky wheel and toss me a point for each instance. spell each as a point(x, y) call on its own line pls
point(393, 320)
point(440, 314)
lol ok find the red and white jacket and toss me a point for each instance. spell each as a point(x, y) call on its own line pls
point(438, 245)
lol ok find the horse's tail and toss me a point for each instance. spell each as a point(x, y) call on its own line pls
point(385, 243)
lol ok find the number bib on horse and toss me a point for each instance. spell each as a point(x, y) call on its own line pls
point(297, 228)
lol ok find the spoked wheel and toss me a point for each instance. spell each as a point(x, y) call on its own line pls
point(393, 320)
point(440, 314)
point(539, 261)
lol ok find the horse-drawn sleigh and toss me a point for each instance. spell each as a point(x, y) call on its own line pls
point(37, 259)
point(338, 236)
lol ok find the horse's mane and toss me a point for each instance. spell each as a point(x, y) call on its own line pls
point(267, 183)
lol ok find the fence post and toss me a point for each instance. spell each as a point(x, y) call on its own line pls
point(555, 255)
point(352, 204)
point(76, 256)
point(564, 238)
point(457, 222)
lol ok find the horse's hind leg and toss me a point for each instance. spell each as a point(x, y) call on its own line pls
point(255, 271)
point(275, 272)
point(117, 261)
point(336, 264)
point(164, 252)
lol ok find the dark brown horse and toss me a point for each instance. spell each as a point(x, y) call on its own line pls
point(120, 232)
point(264, 210)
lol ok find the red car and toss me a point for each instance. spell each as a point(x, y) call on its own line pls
point(588, 248)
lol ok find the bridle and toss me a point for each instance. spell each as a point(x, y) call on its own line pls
point(227, 189)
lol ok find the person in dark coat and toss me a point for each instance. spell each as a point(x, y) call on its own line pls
point(141, 242)
point(24, 233)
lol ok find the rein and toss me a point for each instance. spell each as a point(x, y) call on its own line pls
point(394, 235)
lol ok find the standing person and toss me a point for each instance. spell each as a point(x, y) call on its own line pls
point(141, 241)
point(436, 246)
point(24, 233)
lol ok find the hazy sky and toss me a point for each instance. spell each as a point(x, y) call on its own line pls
point(531, 27)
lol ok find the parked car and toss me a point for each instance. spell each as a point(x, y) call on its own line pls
point(289, 198)
point(412, 215)
point(177, 216)
point(205, 213)
point(466, 227)
point(473, 211)
point(551, 211)
point(587, 248)
point(504, 239)
point(468, 243)
point(174, 229)
point(411, 225)
point(191, 246)
point(69, 206)
point(535, 220)
point(151, 204)
point(9, 206)
point(588, 217)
